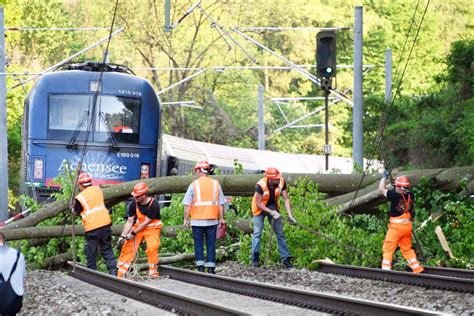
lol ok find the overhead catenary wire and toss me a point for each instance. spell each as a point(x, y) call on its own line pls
point(274, 28)
point(56, 28)
point(384, 118)
point(57, 65)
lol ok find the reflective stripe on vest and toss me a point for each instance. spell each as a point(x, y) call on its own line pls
point(263, 183)
point(399, 220)
point(206, 199)
point(141, 217)
point(94, 213)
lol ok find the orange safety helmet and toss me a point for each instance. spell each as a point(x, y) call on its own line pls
point(272, 173)
point(402, 182)
point(140, 189)
point(84, 178)
point(203, 164)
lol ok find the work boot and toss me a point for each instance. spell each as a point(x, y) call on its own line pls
point(287, 263)
point(200, 268)
point(256, 259)
point(113, 272)
point(211, 270)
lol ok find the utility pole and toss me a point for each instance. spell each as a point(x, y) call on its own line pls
point(358, 110)
point(167, 16)
point(327, 148)
point(3, 126)
point(388, 75)
point(261, 123)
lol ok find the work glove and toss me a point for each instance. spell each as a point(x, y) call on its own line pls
point(275, 215)
point(386, 174)
point(121, 241)
point(292, 220)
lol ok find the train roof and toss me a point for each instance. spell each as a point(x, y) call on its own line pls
point(253, 159)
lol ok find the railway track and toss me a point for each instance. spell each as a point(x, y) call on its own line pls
point(173, 302)
point(321, 302)
point(187, 305)
point(436, 278)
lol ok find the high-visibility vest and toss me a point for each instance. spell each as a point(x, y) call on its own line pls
point(206, 199)
point(155, 223)
point(263, 183)
point(94, 213)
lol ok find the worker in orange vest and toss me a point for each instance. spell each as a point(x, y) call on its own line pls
point(89, 204)
point(204, 202)
point(400, 224)
point(144, 222)
point(265, 203)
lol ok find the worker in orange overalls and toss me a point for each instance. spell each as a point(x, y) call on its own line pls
point(144, 222)
point(400, 225)
point(89, 204)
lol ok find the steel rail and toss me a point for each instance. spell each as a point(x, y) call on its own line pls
point(322, 302)
point(450, 272)
point(176, 303)
point(424, 279)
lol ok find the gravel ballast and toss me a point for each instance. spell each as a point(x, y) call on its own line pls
point(400, 294)
point(56, 293)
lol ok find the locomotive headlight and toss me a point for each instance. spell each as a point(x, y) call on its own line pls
point(38, 168)
point(144, 170)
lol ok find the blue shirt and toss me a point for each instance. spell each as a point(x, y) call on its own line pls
point(188, 200)
point(7, 260)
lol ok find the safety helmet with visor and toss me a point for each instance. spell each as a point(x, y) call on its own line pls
point(140, 189)
point(84, 179)
point(402, 182)
point(202, 166)
point(272, 173)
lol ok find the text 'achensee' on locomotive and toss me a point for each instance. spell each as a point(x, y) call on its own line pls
point(124, 126)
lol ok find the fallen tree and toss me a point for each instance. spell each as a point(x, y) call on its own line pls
point(441, 179)
point(235, 185)
point(341, 189)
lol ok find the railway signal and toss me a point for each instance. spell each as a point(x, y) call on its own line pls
point(326, 70)
point(326, 54)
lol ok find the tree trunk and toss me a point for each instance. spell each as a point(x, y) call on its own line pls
point(66, 231)
point(442, 179)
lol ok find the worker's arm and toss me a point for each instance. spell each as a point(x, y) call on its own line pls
point(127, 227)
point(260, 205)
point(286, 199)
point(142, 226)
point(187, 210)
point(382, 189)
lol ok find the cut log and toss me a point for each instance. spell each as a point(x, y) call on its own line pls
point(56, 261)
point(65, 231)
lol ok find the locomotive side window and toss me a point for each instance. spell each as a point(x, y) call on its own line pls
point(122, 115)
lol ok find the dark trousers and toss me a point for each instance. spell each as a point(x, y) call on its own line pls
point(14, 307)
point(100, 239)
point(209, 234)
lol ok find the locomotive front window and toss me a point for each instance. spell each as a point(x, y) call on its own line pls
point(66, 111)
point(120, 117)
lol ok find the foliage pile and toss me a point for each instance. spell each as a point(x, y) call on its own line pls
point(363, 232)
